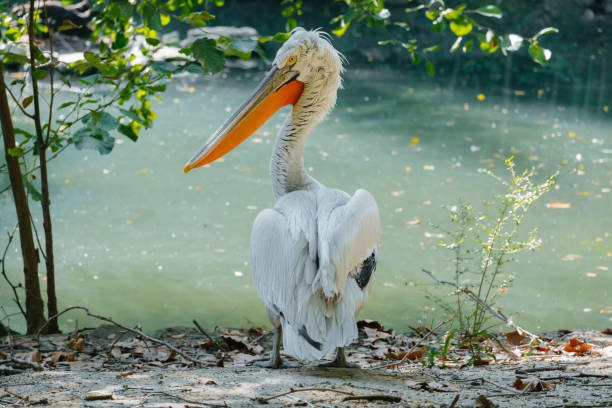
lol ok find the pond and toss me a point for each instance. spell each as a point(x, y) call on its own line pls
point(138, 240)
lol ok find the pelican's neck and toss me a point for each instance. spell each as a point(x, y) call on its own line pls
point(286, 165)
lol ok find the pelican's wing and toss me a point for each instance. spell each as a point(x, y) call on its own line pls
point(284, 262)
point(348, 237)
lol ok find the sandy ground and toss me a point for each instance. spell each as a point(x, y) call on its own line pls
point(578, 381)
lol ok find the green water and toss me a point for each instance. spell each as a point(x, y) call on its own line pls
point(138, 240)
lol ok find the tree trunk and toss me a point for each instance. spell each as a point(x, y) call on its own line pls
point(34, 305)
point(52, 327)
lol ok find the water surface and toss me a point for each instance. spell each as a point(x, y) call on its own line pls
point(138, 240)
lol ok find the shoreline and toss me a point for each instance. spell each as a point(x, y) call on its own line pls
point(109, 367)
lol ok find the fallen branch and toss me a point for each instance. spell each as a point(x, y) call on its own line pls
point(135, 331)
point(538, 369)
point(292, 391)
point(417, 344)
point(497, 313)
point(190, 402)
point(378, 397)
point(215, 342)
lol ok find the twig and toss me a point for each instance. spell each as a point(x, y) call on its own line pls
point(454, 402)
point(500, 386)
point(3, 261)
point(376, 397)
point(538, 369)
point(198, 403)
point(264, 400)
point(418, 343)
point(497, 313)
point(201, 330)
point(135, 331)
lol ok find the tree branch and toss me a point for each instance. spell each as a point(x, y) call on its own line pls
point(2, 262)
point(135, 331)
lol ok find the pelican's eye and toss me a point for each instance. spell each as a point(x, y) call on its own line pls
point(291, 60)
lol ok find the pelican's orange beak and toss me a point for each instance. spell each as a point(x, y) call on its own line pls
point(278, 88)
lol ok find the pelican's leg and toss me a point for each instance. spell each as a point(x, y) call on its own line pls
point(275, 358)
point(340, 360)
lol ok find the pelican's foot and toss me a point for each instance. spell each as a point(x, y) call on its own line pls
point(275, 363)
point(339, 361)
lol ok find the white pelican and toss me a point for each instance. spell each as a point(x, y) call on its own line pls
point(314, 253)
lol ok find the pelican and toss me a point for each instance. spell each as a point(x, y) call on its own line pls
point(314, 253)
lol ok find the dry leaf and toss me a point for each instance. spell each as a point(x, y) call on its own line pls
point(579, 348)
point(533, 384)
point(481, 362)
point(220, 362)
point(178, 336)
point(372, 324)
point(484, 402)
point(608, 331)
point(57, 356)
point(515, 338)
point(76, 344)
point(430, 386)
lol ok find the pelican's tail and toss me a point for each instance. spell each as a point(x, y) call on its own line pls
point(323, 327)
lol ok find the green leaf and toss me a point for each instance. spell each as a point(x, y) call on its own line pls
point(12, 33)
point(205, 51)
point(456, 44)
point(90, 79)
point(433, 48)
point(25, 134)
point(120, 41)
point(544, 31)
point(101, 120)
point(165, 19)
point(491, 43)
point(129, 132)
point(432, 14)
point(451, 14)
point(461, 26)
point(199, 19)
point(87, 138)
point(339, 32)
point(32, 191)
point(16, 151)
point(40, 74)
point(539, 54)
point(467, 47)
point(439, 26)
point(415, 58)
point(27, 101)
point(151, 17)
point(164, 67)
point(490, 11)
point(132, 115)
point(65, 104)
point(512, 42)
point(429, 67)
point(152, 41)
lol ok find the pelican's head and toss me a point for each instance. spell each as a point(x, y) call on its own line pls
point(305, 73)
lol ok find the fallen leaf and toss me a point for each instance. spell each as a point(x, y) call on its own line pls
point(515, 338)
point(372, 324)
point(76, 344)
point(57, 356)
point(178, 336)
point(220, 362)
point(533, 384)
point(479, 362)
point(579, 348)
